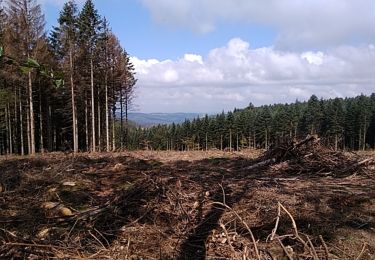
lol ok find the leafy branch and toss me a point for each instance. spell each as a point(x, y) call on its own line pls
point(30, 65)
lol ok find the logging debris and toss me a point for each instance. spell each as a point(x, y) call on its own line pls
point(217, 206)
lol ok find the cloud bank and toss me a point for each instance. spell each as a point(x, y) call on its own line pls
point(300, 24)
point(235, 74)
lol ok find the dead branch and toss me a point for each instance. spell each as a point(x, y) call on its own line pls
point(244, 223)
point(362, 252)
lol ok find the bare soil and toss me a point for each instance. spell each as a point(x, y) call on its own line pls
point(186, 205)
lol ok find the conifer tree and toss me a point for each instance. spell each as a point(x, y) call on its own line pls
point(64, 41)
point(90, 26)
point(26, 28)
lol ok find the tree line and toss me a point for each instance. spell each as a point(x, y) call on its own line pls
point(38, 115)
point(341, 123)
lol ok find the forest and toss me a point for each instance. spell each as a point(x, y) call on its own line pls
point(61, 90)
point(347, 124)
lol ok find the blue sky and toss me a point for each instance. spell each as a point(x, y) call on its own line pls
point(211, 55)
point(144, 38)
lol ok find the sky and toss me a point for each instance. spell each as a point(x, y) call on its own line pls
point(207, 56)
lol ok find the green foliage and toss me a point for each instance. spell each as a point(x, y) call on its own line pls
point(342, 123)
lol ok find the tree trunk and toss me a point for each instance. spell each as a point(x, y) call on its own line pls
point(126, 119)
point(6, 130)
point(49, 129)
point(121, 121)
point(87, 124)
point(336, 141)
point(21, 124)
point(74, 108)
point(28, 127)
point(16, 124)
point(230, 140)
point(41, 121)
point(106, 114)
point(99, 124)
point(113, 131)
point(92, 105)
point(206, 141)
point(237, 143)
point(32, 121)
point(364, 136)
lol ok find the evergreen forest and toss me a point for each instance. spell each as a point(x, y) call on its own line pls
point(61, 90)
point(347, 124)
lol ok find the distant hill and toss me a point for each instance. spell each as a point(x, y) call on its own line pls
point(151, 119)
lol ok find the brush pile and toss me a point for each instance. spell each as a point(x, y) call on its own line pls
point(310, 157)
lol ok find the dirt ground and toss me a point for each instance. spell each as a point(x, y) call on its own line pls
point(185, 205)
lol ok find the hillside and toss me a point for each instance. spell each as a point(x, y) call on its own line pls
point(152, 119)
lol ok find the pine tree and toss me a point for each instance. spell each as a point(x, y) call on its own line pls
point(90, 26)
point(25, 27)
point(64, 41)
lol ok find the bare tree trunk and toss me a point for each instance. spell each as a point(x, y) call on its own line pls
point(99, 124)
point(7, 130)
point(206, 142)
point(32, 121)
point(15, 118)
point(86, 124)
point(364, 136)
point(113, 113)
point(28, 128)
point(10, 130)
point(41, 121)
point(126, 119)
point(336, 141)
point(49, 128)
point(237, 143)
point(221, 142)
point(254, 140)
point(121, 121)
point(21, 124)
point(92, 105)
point(106, 114)
point(74, 108)
point(230, 140)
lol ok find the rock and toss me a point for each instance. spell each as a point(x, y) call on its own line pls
point(65, 212)
point(69, 183)
point(43, 234)
point(119, 167)
point(52, 190)
point(49, 205)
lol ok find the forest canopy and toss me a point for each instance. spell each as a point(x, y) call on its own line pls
point(342, 124)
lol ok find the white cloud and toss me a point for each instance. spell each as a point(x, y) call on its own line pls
point(307, 23)
point(193, 58)
point(234, 75)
